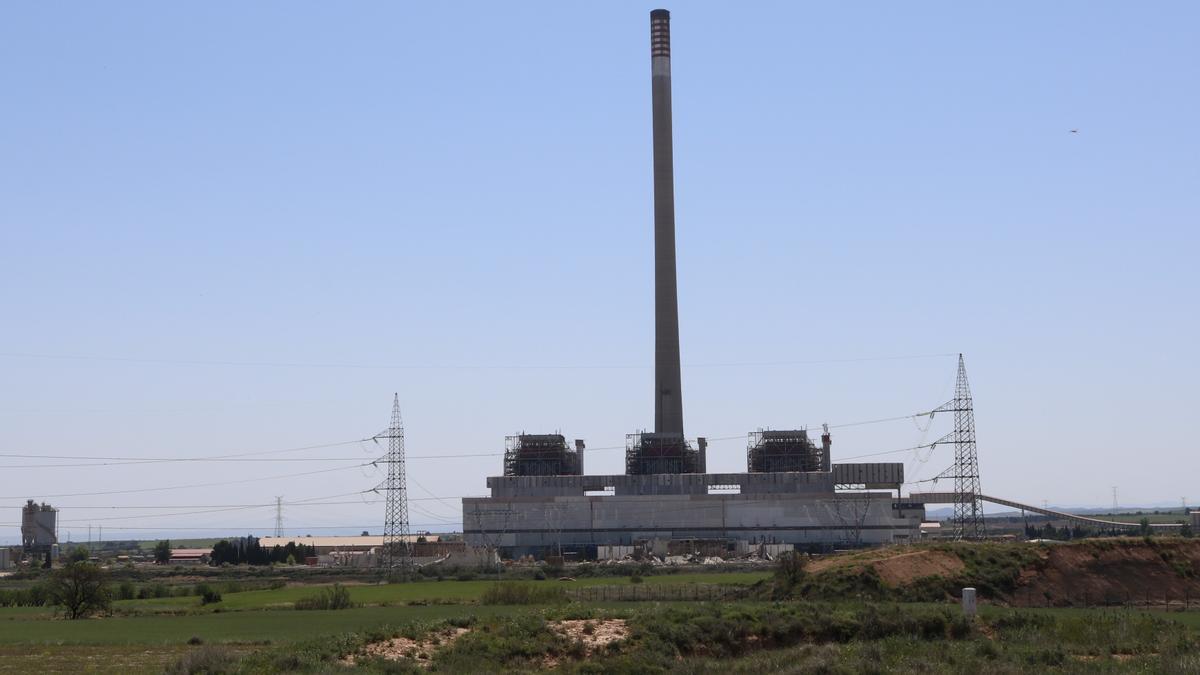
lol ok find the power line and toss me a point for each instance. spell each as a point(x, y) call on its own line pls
point(200, 458)
point(361, 366)
point(253, 456)
point(197, 485)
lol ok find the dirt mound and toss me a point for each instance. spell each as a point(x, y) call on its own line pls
point(1113, 571)
point(1087, 572)
point(402, 648)
point(595, 634)
point(897, 568)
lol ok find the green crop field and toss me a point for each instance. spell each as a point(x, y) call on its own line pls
point(269, 626)
point(267, 615)
point(419, 591)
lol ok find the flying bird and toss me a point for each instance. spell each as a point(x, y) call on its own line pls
point(1074, 131)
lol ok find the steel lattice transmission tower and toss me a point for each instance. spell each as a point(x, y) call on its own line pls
point(968, 505)
point(279, 516)
point(396, 550)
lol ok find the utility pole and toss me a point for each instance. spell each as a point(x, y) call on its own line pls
point(397, 551)
point(279, 516)
point(1115, 507)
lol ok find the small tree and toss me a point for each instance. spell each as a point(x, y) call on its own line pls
point(1185, 529)
point(162, 552)
point(80, 554)
point(1144, 526)
point(80, 588)
point(790, 571)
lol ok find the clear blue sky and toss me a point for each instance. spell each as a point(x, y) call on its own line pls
point(438, 193)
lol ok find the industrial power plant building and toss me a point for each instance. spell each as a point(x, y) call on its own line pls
point(791, 493)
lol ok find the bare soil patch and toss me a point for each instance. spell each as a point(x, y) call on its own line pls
point(595, 634)
point(1113, 572)
point(402, 648)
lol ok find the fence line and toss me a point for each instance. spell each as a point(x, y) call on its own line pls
point(686, 592)
point(1165, 601)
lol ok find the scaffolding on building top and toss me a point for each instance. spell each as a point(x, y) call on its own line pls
point(786, 450)
point(542, 455)
point(650, 453)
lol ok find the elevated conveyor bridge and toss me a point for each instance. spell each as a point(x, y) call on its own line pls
point(953, 497)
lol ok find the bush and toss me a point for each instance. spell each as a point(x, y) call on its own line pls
point(126, 591)
point(207, 660)
point(790, 571)
point(34, 596)
point(636, 579)
point(208, 594)
point(332, 597)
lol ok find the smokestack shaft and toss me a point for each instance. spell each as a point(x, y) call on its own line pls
point(668, 410)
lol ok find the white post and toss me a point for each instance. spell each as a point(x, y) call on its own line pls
point(968, 602)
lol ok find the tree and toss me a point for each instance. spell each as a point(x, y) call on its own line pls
point(80, 588)
point(790, 572)
point(1185, 529)
point(162, 552)
point(1144, 526)
point(80, 554)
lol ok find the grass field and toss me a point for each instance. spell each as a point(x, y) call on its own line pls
point(269, 626)
point(267, 616)
point(418, 591)
point(672, 628)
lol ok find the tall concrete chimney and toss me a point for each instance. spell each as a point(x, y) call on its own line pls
point(668, 399)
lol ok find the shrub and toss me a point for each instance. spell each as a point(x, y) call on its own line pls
point(790, 570)
point(207, 660)
point(208, 594)
point(126, 591)
point(636, 579)
point(34, 596)
point(333, 597)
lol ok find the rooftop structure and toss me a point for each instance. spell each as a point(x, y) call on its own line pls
point(647, 453)
point(771, 451)
point(542, 455)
